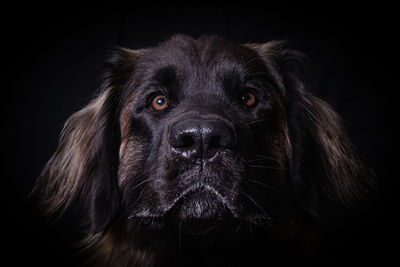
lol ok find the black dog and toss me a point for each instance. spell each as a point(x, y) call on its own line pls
point(201, 148)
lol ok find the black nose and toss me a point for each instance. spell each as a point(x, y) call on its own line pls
point(196, 138)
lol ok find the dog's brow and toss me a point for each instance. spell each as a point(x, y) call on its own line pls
point(231, 78)
point(166, 76)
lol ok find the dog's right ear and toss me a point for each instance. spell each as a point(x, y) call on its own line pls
point(83, 169)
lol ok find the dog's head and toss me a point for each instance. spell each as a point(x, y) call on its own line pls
point(201, 130)
point(201, 125)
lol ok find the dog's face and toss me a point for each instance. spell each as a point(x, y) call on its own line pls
point(198, 132)
point(203, 134)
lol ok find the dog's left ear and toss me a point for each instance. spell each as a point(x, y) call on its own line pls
point(83, 170)
point(323, 166)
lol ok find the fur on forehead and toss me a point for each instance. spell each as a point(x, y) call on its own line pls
point(204, 51)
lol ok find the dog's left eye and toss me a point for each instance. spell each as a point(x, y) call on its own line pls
point(248, 99)
point(159, 103)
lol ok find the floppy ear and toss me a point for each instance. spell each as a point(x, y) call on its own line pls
point(323, 167)
point(83, 169)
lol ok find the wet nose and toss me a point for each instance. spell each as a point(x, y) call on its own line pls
point(196, 138)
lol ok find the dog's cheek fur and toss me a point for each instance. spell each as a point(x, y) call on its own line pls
point(131, 170)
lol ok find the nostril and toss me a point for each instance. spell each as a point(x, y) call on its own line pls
point(183, 138)
point(187, 141)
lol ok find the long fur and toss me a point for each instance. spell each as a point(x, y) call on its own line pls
point(88, 166)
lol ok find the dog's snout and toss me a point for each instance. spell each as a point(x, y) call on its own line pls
point(196, 138)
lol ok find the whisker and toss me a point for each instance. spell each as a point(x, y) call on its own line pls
point(260, 183)
point(256, 74)
point(253, 122)
point(255, 203)
point(180, 237)
point(271, 188)
point(203, 232)
point(262, 159)
point(238, 227)
point(265, 167)
point(140, 196)
point(261, 156)
point(139, 221)
point(141, 183)
point(257, 157)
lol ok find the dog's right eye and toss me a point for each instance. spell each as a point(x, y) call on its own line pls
point(248, 99)
point(159, 103)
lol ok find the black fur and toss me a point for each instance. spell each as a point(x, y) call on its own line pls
point(206, 177)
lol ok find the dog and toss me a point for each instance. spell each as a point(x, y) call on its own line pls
point(201, 152)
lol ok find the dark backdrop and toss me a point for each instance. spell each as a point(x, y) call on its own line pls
point(53, 65)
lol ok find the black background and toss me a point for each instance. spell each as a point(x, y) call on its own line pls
point(52, 61)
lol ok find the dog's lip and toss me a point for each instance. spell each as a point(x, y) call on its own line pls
point(198, 187)
point(236, 212)
point(168, 208)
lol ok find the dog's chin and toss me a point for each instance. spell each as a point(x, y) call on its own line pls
point(200, 205)
point(199, 210)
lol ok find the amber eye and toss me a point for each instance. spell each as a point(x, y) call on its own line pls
point(159, 103)
point(248, 99)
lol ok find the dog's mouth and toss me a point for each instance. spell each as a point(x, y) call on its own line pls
point(200, 207)
point(200, 202)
